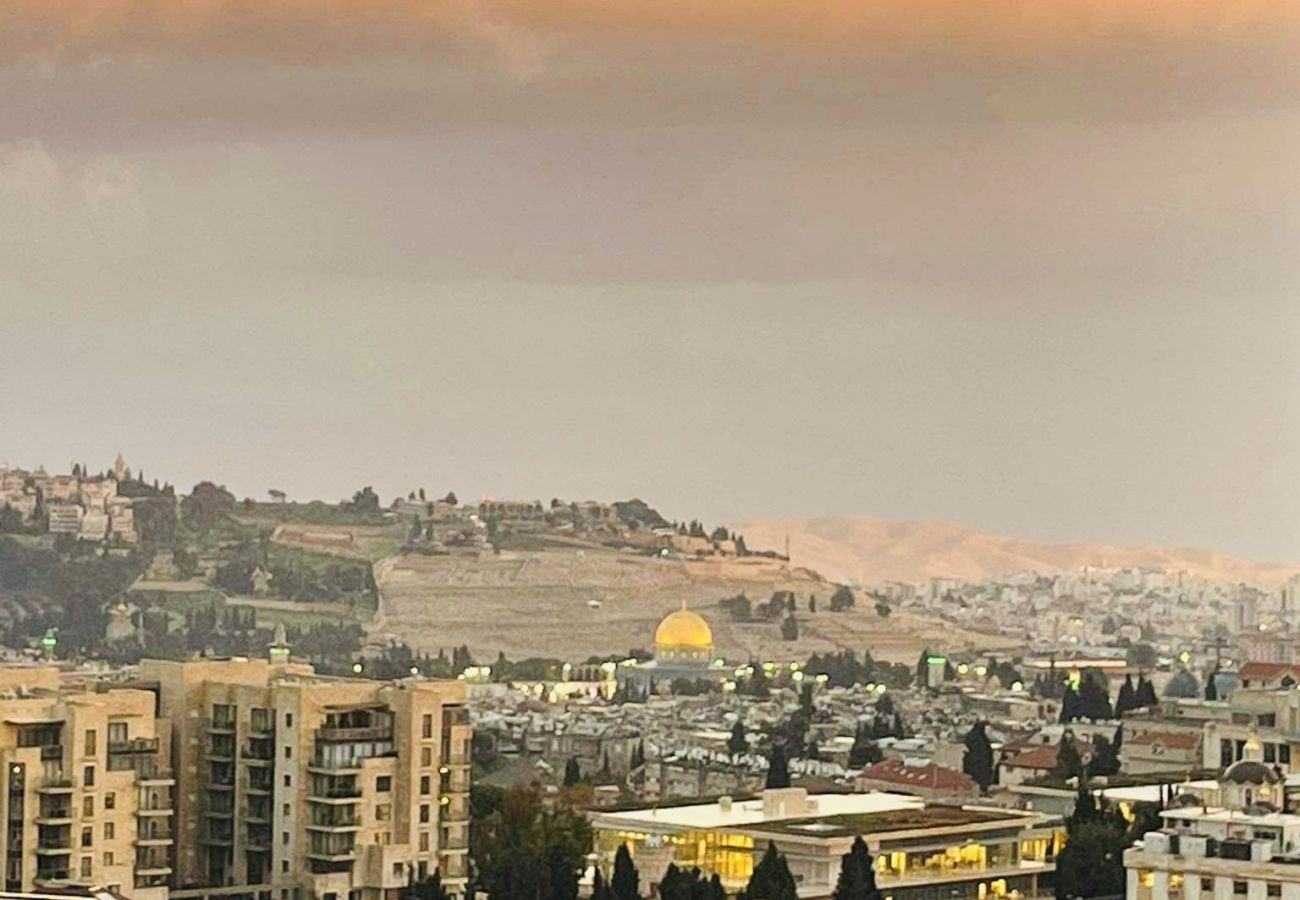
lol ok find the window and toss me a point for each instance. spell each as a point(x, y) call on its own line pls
point(424, 812)
point(90, 742)
point(288, 752)
point(288, 810)
point(424, 870)
point(384, 783)
point(110, 800)
point(110, 831)
point(424, 841)
point(117, 733)
point(87, 836)
point(424, 785)
point(1284, 754)
point(1270, 753)
point(108, 857)
point(1274, 890)
point(382, 837)
point(426, 728)
point(1239, 887)
point(86, 863)
point(426, 756)
point(288, 720)
point(383, 812)
point(284, 838)
point(284, 866)
point(288, 781)
point(88, 807)
point(397, 870)
point(88, 776)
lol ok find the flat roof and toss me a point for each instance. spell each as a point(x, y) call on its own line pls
point(908, 819)
point(750, 812)
point(1150, 793)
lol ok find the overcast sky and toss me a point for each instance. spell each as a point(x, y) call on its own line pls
point(1029, 266)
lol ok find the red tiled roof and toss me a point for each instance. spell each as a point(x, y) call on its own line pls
point(1266, 671)
point(1043, 757)
point(895, 771)
point(1174, 740)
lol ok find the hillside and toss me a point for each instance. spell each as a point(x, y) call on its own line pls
point(575, 603)
point(866, 551)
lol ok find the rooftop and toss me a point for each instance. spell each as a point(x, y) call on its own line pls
point(890, 820)
point(742, 813)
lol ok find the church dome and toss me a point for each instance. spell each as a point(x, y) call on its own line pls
point(1248, 771)
point(684, 630)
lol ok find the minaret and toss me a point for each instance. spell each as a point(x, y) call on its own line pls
point(119, 468)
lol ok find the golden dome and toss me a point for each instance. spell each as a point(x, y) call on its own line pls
point(684, 629)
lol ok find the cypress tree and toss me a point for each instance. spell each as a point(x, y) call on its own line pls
point(977, 761)
point(778, 773)
point(771, 879)
point(625, 881)
point(857, 880)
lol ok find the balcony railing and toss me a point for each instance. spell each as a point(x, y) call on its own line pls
point(370, 733)
point(51, 752)
point(134, 745)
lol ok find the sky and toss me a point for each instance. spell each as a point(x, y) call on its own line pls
point(1027, 266)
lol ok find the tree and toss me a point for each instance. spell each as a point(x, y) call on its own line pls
point(737, 743)
point(527, 850)
point(1105, 757)
point(572, 773)
point(365, 500)
point(1126, 699)
point(625, 880)
point(1068, 762)
point(427, 889)
point(1211, 689)
point(857, 879)
point(1146, 693)
point(206, 505)
point(864, 751)
point(842, 599)
point(1092, 862)
point(977, 761)
point(771, 879)
point(599, 889)
point(778, 772)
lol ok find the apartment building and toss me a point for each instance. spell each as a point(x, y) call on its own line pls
point(87, 793)
point(297, 786)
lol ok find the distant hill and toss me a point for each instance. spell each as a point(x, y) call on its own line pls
point(865, 550)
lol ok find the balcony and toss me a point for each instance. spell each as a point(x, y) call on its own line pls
point(336, 819)
point(134, 746)
point(351, 765)
point(153, 776)
point(52, 850)
point(52, 753)
point(335, 795)
point(59, 786)
point(53, 877)
point(54, 815)
point(221, 725)
point(337, 734)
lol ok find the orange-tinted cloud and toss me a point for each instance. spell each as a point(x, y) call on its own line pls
point(279, 29)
